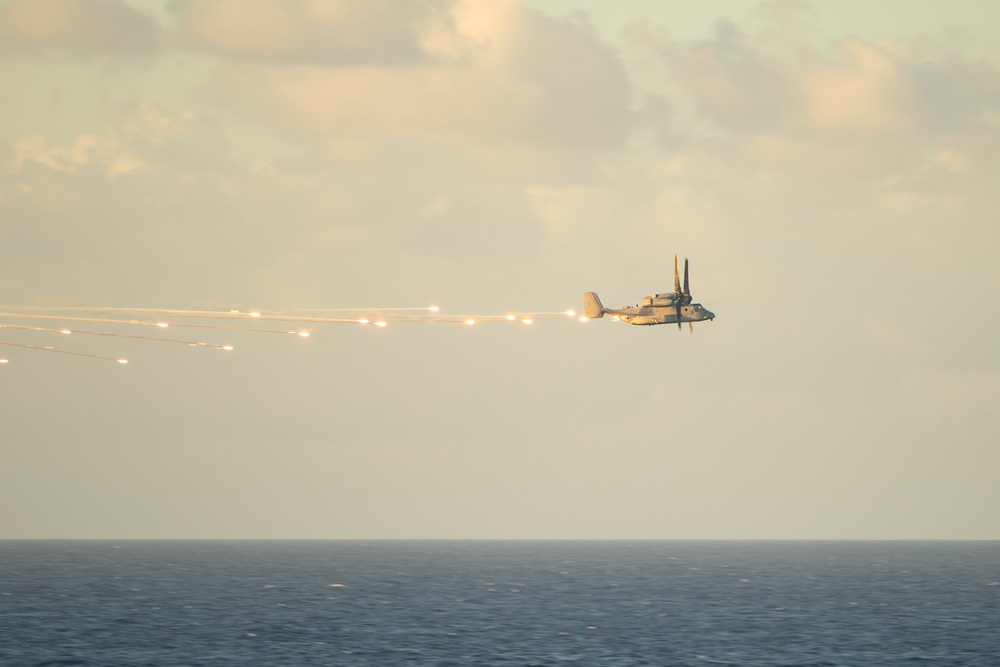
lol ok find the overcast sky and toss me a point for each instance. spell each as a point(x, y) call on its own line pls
point(830, 169)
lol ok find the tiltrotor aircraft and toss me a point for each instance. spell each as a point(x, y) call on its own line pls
point(667, 308)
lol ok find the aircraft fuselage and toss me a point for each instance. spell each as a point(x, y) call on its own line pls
point(645, 315)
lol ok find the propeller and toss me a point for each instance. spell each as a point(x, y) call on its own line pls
point(687, 292)
point(683, 297)
point(677, 290)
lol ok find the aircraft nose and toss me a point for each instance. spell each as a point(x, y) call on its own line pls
point(709, 315)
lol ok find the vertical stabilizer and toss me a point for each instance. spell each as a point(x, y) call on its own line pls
point(592, 306)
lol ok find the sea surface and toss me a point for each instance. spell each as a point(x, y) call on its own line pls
point(444, 603)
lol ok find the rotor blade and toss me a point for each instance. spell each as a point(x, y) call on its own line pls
point(687, 292)
point(677, 279)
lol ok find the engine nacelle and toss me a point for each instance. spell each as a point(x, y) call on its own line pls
point(660, 300)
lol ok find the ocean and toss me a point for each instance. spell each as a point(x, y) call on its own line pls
point(451, 603)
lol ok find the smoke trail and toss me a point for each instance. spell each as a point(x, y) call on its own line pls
point(52, 349)
point(213, 319)
point(316, 315)
point(190, 343)
point(144, 323)
point(67, 318)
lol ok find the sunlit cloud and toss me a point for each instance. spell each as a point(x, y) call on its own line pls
point(79, 27)
point(331, 33)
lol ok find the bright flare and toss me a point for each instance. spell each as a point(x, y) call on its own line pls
point(304, 334)
point(122, 361)
point(527, 321)
point(227, 348)
point(66, 331)
point(162, 325)
point(470, 321)
point(380, 324)
point(511, 317)
point(434, 309)
point(255, 314)
point(362, 321)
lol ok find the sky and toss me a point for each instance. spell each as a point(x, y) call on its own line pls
point(829, 168)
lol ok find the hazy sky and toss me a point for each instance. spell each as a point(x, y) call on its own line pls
point(830, 168)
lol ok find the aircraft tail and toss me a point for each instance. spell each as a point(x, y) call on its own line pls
point(592, 306)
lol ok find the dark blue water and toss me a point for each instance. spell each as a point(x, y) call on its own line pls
point(500, 603)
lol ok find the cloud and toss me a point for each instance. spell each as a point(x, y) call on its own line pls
point(112, 204)
point(512, 134)
point(729, 79)
point(75, 26)
point(847, 107)
point(118, 150)
point(503, 73)
point(317, 32)
point(955, 93)
point(180, 206)
point(864, 91)
point(126, 146)
point(85, 149)
point(815, 163)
